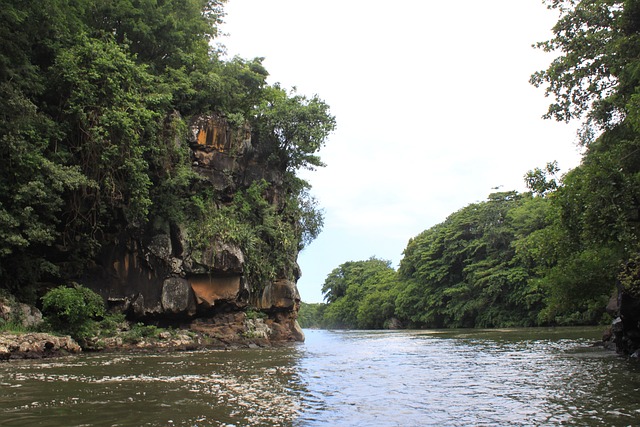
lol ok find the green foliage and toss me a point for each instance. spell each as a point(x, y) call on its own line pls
point(596, 71)
point(311, 315)
point(93, 136)
point(465, 272)
point(580, 283)
point(360, 294)
point(508, 261)
point(255, 314)
point(296, 127)
point(104, 93)
point(139, 331)
point(112, 323)
point(32, 191)
point(629, 276)
point(73, 310)
point(542, 181)
point(268, 241)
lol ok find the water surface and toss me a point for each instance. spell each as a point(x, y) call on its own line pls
point(541, 377)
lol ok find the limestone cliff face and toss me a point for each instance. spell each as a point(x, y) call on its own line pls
point(154, 274)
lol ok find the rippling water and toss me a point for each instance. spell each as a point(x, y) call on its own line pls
point(420, 378)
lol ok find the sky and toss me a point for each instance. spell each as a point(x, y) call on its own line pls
point(433, 106)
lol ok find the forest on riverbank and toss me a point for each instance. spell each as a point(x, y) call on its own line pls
point(96, 121)
point(554, 255)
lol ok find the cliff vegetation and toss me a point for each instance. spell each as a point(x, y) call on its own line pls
point(141, 164)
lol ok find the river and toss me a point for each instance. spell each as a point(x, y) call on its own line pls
point(520, 377)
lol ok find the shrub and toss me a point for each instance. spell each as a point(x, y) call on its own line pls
point(73, 310)
point(139, 332)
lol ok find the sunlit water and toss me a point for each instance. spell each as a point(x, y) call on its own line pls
point(422, 378)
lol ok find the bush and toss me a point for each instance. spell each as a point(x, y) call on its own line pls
point(72, 310)
point(139, 332)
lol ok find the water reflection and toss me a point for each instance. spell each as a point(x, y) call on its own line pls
point(452, 378)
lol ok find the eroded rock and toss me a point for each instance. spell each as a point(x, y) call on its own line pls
point(156, 273)
point(178, 297)
point(279, 295)
point(35, 346)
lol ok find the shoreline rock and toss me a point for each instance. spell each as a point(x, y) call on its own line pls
point(250, 333)
point(36, 345)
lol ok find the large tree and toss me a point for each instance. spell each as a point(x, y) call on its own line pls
point(594, 79)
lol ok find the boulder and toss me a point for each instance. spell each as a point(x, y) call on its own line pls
point(626, 327)
point(141, 308)
point(220, 258)
point(284, 327)
point(178, 297)
point(160, 246)
point(279, 295)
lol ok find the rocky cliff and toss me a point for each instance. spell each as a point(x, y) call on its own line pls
point(158, 274)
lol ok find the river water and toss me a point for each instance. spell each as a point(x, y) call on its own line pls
point(521, 377)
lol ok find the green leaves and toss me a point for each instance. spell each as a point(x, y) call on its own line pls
point(105, 105)
point(595, 76)
point(360, 294)
point(457, 269)
point(72, 309)
point(295, 126)
point(268, 241)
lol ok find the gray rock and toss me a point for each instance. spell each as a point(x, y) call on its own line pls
point(21, 314)
point(35, 345)
point(178, 297)
point(221, 257)
point(160, 246)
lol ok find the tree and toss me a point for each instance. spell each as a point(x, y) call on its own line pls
point(595, 76)
point(293, 126)
point(543, 181)
point(465, 272)
point(360, 294)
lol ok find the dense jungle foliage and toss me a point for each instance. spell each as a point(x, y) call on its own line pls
point(96, 98)
point(550, 256)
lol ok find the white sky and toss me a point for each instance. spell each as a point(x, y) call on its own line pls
point(432, 103)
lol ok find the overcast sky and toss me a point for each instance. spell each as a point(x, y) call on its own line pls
point(432, 103)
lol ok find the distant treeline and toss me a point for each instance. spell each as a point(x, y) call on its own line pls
point(550, 256)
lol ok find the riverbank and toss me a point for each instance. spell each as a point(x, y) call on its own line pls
point(231, 331)
point(39, 345)
point(35, 345)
